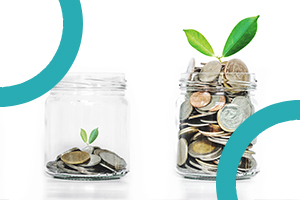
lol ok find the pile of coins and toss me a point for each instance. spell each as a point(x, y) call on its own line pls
point(216, 102)
point(91, 160)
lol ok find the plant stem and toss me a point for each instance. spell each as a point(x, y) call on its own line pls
point(219, 58)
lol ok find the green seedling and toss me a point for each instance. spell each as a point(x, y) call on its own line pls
point(239, 37)
point(92, 138)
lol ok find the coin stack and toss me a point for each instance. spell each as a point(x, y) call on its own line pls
point(90, 162)
point(217, 101)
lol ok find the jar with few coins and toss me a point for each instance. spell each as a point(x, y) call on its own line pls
point(215, 99)
point(86, 123)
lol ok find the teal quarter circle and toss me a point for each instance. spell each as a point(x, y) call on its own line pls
point(241, 138)
point(58, 66)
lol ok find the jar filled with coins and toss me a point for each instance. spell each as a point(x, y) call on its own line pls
point(215, 99)
point(87, 127)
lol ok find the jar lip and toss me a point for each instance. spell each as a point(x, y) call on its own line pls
point(222, 81)
point(92, 80)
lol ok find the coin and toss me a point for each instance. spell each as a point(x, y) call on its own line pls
point(188, 130)
point(213, 102)
point(204, 149)
point(112, 159)
point(236, 71)
point(68, 151)
point(185, 110)
point(94, 160)
point(201, 115)
point(206, 164)
point(230, 117)
point(191, 66)
point(75, 157)
point(200, 99)
point(80, 169)
point(244, 103)
point(219, 105)
point(208, 121)
point(210, 71)
point(62, 168)
point(88, 149)
point(210, 133)
point(182, 151)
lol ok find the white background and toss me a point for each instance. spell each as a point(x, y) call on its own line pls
point(144, 39)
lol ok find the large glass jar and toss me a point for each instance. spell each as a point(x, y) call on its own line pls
point(87, 127)
point(215, 99)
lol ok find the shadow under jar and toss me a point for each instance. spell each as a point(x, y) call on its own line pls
point(209, 112)
point(86, 121)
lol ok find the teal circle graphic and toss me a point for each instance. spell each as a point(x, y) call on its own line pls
point(58, 66)
point(244, 134)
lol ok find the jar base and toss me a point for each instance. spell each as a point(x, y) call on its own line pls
point(84, 177)
point(186, 173)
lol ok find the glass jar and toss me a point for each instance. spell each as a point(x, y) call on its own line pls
point(210, 109)
point(86, 125)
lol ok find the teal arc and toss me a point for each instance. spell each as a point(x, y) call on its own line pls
point(58, 66)
point(244, 134)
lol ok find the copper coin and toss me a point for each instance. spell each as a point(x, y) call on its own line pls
point(219, 105)
point(200, 99)
point(75, 157)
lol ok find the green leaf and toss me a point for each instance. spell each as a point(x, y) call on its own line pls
point(199, 42)
point(240, 36)
point(93, 135)
point(83, 135)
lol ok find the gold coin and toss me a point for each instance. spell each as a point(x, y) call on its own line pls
point(214, 128)
point(75, 157)
point(219, 105)
point(203, 147)
point(200, 99)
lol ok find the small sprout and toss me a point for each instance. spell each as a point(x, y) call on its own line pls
point(92, 138)
point(239, 37)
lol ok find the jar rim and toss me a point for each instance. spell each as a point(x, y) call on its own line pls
point(92, 80)
point(222, 82)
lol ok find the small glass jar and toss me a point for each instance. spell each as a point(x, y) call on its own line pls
point(209, 112)
point(86, 121)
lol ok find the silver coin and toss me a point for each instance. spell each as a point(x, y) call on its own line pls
point(97, 151)
point(210, 71)
point(213, 102)
point(182, 153)
point(206, 164)
point(52, 166)
point(191, 66)
point(218, 140)
point(230, 117)
point(196, 165)
point(201, 115)
point(247, 164)
point(80, 169)
point(208, 121)
point(107, 167)
point(192, 169)
point(197, 125)
point(94, 160)
point(188, 130)
point(245, 104)
point(112, 159)
point(62, 168)
point(88, 149)
point(185, 110)
point(211, 133)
